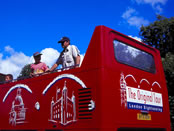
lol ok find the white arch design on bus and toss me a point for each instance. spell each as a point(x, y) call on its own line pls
point(156, 83)
point(144, 80)
point(129, 75)
point(17, 86)
point(69, 76)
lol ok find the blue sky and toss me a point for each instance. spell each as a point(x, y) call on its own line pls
point(27, 26)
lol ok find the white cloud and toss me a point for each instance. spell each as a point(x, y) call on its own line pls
point(130, 15)
point(152, 2)
point(7, 67)
point(17, 60)
point(81, 58)
point(137, 21)
point(158, 9)
point(135, 37)
point(1, 55)
point(49, 56)
point(14, 63)
point(156, 4)
point(9, 50)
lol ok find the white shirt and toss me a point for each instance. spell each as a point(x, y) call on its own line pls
point(68, 56)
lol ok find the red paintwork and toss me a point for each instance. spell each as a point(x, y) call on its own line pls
point(100, 72)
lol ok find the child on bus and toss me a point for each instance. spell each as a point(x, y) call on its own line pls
point(38, 67)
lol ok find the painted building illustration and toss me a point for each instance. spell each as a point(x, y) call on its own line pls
point(123, 90)
point(63, 109)
point(17, 114)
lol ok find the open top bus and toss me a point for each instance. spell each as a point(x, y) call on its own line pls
point(120, 86)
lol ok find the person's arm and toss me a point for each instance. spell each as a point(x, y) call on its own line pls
point(76, 55)
point(54, 67)
point(78, 60)
point(58, 62)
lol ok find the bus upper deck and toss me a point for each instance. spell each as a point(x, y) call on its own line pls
point(119, 86)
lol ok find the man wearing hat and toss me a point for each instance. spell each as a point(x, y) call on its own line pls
point(38, 67)
point(69, 57)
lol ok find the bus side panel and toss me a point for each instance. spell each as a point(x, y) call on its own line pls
point(65, 100)
point(123, 87)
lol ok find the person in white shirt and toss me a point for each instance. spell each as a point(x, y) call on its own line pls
point(69, 57)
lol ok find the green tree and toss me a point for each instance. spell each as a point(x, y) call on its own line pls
point(168, 64)
point(159, 34)
point(25, 72)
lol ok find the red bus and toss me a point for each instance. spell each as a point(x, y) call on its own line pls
point(120, 86)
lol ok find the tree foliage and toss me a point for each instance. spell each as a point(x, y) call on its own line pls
point(160, 34)
point(25, 72)
point(168, 64)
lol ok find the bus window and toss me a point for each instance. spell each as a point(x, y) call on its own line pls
point(132, 56)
